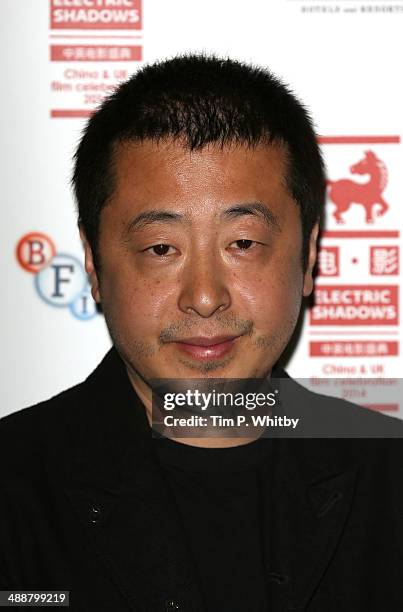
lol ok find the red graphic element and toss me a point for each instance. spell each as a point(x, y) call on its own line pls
point(87, 36)
point(384, 260)
point(360, 234)
point(95, 53)
point(346, 192)
point(355, 305)
point(67, 113)
point(95, 14)
point(34, 251)
point(382, 407)
point(355, 348)
point(359, 139)
point(328, 261)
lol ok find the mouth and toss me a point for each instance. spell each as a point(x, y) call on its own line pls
point(202, 347)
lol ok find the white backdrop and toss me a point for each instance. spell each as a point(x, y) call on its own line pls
point(342, 58)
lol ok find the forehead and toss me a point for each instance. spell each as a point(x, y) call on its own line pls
point(168, 171)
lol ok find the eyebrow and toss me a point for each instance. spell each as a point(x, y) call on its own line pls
point(152, 216)
point(257, 209)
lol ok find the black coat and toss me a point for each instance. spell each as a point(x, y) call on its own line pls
point(84, 507)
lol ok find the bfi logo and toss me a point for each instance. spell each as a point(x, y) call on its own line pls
point(59, 278)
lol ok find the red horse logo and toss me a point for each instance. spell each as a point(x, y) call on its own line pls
point(345, 192)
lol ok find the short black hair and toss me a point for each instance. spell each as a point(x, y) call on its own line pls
point(199, 99)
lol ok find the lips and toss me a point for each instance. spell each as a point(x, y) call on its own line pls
point(203, 347)
point(206, 341)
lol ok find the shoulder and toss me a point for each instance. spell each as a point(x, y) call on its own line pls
point(41, 437)
point(354, 419)
point(55, 416)
point(42, 430)
point(47, 439)
point(335, 430)
point(35, 414)
point(335, 414)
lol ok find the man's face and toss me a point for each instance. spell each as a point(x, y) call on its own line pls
point(200, 252)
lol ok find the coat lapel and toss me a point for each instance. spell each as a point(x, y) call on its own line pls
point(122, 501)
point(308, 495)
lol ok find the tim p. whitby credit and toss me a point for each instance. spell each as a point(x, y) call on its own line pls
point(216, 420)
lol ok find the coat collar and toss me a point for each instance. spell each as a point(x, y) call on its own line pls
point(129, 517)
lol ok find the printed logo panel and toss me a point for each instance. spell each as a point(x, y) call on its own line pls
point(59, 278)
point(88, 56)
point(352, 332)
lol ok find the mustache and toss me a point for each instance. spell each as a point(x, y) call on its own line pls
point(223, 324)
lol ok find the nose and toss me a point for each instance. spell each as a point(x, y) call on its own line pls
point(204, 287)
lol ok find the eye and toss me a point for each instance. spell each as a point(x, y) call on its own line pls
point(243, 244)
point(159, 249)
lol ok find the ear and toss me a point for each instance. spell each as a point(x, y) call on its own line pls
point(308, 279)
point(89, 266)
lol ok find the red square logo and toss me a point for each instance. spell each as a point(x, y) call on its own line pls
point(384, 260)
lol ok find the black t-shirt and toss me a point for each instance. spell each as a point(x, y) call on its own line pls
point(218, 495)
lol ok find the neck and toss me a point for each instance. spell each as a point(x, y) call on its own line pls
point(144, 393)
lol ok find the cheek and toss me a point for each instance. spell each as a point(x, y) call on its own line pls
point(274, 296)
point(134, 303)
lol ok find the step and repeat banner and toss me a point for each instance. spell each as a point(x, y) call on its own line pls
point(59, 58)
